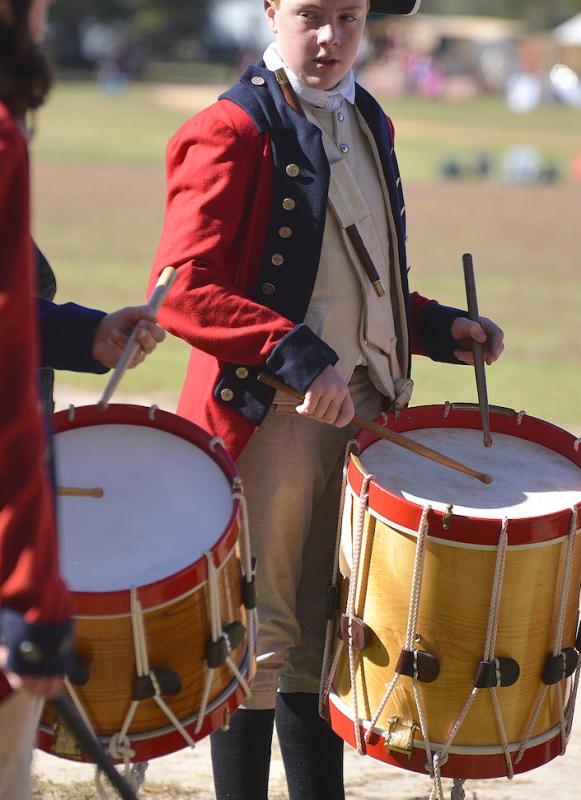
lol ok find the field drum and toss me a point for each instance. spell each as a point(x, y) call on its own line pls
point(154, 547)
point(456, 649)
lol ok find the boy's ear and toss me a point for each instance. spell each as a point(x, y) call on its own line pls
point(269, 10)
point(395, 6)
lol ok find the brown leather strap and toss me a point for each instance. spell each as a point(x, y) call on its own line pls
point(418, 664)
point(288, 92)
point(360, 635)
point(497, 672)
point(169, 683)
point(366, 260)
point(561, 666)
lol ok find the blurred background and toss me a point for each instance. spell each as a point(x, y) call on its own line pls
point(486, 99)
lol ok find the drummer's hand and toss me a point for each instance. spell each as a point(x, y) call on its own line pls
point(328, 400)
point(112, 333)
point(37, 685)
point(487, 333)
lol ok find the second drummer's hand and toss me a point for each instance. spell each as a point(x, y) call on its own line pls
point(328, 400)
point(486, 332)
point(112, 333)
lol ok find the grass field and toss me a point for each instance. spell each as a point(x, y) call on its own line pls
point(99, 197)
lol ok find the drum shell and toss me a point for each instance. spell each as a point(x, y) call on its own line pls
point(176, 620)
point(454, 607)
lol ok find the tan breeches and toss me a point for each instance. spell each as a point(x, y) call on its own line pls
point(291, 470)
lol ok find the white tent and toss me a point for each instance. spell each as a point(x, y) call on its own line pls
point(569, 33)
point(239, 23)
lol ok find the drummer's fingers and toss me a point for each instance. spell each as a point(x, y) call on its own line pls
point(307, 407)
point(137, 358)
point(346, 412)
point(494, 351)
point(149, 335)
point(465, 356)
point(494, 340)
point(118, 340)
point(328, 409)
point(464, 328)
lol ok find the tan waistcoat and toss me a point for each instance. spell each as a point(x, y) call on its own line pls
point(344, 309)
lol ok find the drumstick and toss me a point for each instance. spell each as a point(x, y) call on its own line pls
point(477, 348)
point(385, 433)
point(79, 491)
point(162, 287)
point(69, 715)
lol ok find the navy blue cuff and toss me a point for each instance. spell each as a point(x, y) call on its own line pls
point(297, 360)
point(435, 327)
point(67, 332)
point(37, 648)
point(300, 357)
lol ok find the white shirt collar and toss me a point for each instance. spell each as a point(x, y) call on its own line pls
point(327, 99)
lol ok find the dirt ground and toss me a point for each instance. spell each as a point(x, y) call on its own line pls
point(187, 774)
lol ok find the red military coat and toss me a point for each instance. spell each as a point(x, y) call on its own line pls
point(228, 171)
point(34, 604)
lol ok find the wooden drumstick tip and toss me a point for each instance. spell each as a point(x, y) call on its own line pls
point(167, 276)
point(484, 478)
point(79, 491)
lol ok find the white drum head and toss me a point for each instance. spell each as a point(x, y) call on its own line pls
point(529, 480)
point(165, 503)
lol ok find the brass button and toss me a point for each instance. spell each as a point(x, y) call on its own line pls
point(257, 80)
point(227, 395)
point(30, 652)
point(285, 232)
point(344, 148)
point(242, 373)
point(293, 170)
point(288, 204)
point(277, 259)
point(268, 288)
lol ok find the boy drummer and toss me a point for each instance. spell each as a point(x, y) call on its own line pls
point(273, 218)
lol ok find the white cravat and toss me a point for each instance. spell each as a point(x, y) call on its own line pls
point(327, 99)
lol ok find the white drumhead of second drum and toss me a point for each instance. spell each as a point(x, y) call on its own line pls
point(165, 503)
point(529, 480)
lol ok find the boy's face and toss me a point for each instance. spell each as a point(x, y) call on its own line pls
point(318, 39)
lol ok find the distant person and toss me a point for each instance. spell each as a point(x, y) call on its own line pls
point(274, 275)
point(35, 624)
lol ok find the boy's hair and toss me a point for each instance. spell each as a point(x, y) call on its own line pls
point(25, 76)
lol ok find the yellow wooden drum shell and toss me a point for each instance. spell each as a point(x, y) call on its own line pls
point(455, 631)
point(177, 635)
